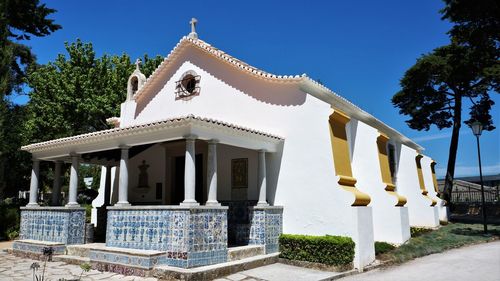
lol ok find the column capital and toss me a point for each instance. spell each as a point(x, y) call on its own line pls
point(124, 147)
point(262, 150)
point(191, 137)
point(213, 141)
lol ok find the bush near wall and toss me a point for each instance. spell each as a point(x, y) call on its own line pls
point(417, 231)
point(383, 247)
point(330, 250)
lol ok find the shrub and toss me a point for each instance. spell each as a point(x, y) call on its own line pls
point(10, 217)
point(330, 250)
point(417, 231)
point(383, 247)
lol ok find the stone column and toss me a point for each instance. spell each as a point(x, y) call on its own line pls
point(190, 173)
point(56, 187)
point(262, 179)
point(35, 172)
point(212, 173)
point(73, 182)
point(107, 187)
point(123, 181)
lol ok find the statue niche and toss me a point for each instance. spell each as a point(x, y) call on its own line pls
point(143, 183)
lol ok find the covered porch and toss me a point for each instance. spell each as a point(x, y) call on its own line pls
point(173, 184)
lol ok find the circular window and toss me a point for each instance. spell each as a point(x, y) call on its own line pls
point(189, 85)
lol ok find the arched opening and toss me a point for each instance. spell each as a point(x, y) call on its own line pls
point(134, 82)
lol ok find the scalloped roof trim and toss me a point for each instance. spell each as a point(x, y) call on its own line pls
point(170, 122)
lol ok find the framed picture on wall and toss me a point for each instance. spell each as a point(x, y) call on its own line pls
point(239, 173)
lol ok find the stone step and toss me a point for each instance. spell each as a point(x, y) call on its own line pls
point(71, 259)
point(82, 250)
point(243, 252)
point(211, 272)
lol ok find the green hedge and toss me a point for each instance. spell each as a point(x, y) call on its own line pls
point(417, 231)
point(330, 250)
point(383, 247)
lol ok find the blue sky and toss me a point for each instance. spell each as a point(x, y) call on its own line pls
point(359, 49)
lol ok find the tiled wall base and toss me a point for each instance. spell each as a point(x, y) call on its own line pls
point(120, 269)
point(190, 236)
point(53, 224)
point(34, 249)
point(266, 225)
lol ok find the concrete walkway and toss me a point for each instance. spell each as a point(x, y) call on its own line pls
point(13, 268)
point(281, 272)
point(478, 262)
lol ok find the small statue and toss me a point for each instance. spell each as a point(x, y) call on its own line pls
point(143, 175)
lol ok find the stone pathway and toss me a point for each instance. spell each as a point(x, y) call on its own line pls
point(13, 268)
point(281, 272)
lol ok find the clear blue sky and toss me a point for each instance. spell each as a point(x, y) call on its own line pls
point(359, 49)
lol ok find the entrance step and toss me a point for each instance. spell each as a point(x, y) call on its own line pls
point(77, 260)
point(243, 252)
point(83, 250)
point(211, 272)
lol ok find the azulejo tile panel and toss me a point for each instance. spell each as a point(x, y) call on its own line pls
point(266, 225)
point(189, 237)
point(57, 224)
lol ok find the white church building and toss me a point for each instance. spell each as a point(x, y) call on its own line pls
point(210, 153)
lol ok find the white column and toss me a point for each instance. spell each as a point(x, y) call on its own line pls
point(190, 173)
point(56, 187)
point(262, 179)
point(123, 181)
point(212, 173)
point(35, 172)
point(73, 182)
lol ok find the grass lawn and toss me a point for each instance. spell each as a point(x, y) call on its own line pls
point(450, 236)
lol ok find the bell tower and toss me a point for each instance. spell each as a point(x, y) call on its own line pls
point(135, 81)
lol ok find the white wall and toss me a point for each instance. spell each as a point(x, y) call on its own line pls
point(429, 184)
point(419, 209)
point(390, 223)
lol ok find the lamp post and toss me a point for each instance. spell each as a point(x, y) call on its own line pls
point(477, 129)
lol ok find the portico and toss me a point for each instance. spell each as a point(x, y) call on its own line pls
point(160, 225)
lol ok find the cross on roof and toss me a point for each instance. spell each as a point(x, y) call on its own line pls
point(137, 63)
point(193, 33)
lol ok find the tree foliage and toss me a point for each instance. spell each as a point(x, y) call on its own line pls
point(19, 20)
point(434, 90)
point(77, 92)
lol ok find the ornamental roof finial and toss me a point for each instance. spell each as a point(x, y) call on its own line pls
point(137, 63)
point(193, 33)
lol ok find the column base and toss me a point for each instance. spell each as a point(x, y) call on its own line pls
point(72, 205)
point(212, 203)
point(262, 204)
point(32, 205)
point(190, 203)
point(122, 204)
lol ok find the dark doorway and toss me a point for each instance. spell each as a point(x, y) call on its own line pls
point(178, 179)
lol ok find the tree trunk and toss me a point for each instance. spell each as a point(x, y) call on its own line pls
point(452, 157)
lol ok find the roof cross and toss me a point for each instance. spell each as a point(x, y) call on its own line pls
point(137, 63)
point(193, 33)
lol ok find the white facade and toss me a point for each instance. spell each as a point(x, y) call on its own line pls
point(249, 114)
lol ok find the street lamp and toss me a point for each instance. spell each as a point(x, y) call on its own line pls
point(477, 129)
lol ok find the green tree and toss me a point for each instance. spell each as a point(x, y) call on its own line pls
point(76, 93)
point(436, 89)
point(19, 20)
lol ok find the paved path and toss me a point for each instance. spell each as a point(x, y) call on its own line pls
point(13, 268)
point(280, 272)
point(478, 262)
